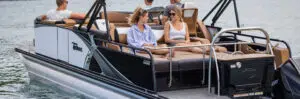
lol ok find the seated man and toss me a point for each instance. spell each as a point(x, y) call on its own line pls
point(61, 12)
point(140, 34)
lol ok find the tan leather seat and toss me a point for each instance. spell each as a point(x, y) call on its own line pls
point(190, 18)
point(281, 55)
point(118, 18)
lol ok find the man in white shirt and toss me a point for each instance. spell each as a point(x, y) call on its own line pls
point(61, 12)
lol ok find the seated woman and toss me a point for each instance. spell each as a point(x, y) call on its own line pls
point(176, 33)
point(140, 34)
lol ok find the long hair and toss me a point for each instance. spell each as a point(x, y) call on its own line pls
point(135, 17)
point(177, 11)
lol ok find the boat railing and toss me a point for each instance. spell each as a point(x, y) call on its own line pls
point(202, 46)
point(121, 45)
point(213, 52)
point(253, 38)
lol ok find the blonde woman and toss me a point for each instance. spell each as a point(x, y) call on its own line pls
point(176, 32)
point(140, 34)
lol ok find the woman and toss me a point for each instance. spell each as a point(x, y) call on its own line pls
point(176, 33)
point(140, 34)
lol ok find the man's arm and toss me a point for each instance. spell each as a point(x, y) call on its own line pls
point(77, 16)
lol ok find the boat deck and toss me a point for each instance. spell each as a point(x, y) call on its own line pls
point(198, 93)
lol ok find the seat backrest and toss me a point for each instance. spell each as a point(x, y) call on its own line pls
point(121, 34)
point(281, 55)
point(189, 16)
point(118, 18)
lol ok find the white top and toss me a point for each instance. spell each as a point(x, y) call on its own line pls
point(58, 15)
point(177, 34)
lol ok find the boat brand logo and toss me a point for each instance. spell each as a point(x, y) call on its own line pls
point(76, 47)
point(146, 62)
point(237, 65)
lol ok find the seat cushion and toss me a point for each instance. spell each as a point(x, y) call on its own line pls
point(182, 61)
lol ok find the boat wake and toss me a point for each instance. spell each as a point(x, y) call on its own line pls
point(13, 74)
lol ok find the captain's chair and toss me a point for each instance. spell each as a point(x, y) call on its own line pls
point(118, 18)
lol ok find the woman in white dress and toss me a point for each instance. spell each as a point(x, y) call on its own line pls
point(176, 33)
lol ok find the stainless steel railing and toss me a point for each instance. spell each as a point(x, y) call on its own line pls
point(203, 48)
point(213, 53)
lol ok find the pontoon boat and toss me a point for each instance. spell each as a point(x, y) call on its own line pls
point(91, 56)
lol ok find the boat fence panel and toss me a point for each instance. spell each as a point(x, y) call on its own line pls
point(78, 50)
point(46, 41)
point(138, 70)
point(63, 44)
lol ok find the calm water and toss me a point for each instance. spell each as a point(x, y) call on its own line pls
point(280, 18)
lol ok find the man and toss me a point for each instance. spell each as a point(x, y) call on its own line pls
point(167, 9)
point(148, 4)
point(61, 12)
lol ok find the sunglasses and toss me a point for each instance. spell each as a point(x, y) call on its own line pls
point(172, 14)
